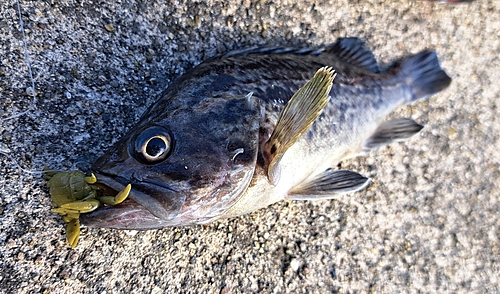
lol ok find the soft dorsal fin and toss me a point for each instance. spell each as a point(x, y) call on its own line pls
point(353, 51)
point(298, 115)
point(329, 184)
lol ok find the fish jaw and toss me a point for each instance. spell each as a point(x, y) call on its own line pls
point(127, 216)
point(140, 211)
point(156, 201)
point(150, 209)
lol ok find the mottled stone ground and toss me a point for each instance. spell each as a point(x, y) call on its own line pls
point(430, 223)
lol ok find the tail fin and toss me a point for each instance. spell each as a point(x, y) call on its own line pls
point(427, 77)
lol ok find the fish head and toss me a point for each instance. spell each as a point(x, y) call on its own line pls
point(186, 164)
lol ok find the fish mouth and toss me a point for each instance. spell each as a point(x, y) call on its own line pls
point(148, 206)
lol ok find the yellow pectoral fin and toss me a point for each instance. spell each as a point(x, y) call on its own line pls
point(83, 206)
point(298, 115)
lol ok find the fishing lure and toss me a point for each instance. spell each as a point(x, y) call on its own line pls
point(72, 194)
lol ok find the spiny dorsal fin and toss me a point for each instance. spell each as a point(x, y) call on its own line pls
point(329, 184)
point(390, 131)
point(298, 115)
point(353, 51)
point(273, 50)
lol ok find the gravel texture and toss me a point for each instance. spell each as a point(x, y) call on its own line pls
point(429, 223)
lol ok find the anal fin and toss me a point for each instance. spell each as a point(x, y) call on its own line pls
point(392, 131)
point(330, 184)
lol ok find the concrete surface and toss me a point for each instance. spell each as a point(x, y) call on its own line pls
point(430, 223)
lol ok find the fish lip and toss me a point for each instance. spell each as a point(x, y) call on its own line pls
point(121, 216)
point(143, 200)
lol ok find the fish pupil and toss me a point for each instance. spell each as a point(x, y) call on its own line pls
point(156, 147)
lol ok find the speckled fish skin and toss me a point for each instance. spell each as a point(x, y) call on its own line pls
point(215, 167)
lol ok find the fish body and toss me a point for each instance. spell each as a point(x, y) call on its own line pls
point(206, 149)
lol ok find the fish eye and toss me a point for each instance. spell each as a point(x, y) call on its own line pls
point(153, 145)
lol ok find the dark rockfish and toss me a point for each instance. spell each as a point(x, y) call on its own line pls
point(220, 141)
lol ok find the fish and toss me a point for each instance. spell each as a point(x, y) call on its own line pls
point(255, 126)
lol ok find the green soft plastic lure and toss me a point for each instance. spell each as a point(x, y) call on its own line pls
point(73, 193)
